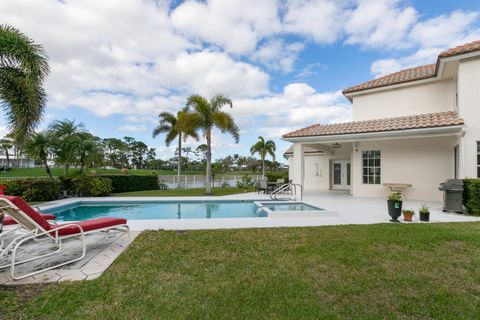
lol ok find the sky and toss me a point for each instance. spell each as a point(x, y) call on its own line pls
point(115, 65)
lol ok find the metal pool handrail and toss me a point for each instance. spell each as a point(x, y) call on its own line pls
point(292, 186)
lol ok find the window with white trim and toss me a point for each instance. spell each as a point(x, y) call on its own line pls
point(371, 167)
point(478, 159)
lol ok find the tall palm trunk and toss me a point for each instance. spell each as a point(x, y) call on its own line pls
point(208, 189)
point(179, 165)
point(82, 162)
point(47, 168)
point(8, 157)
point(263, 167)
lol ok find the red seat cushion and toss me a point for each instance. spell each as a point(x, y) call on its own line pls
point(34, 215)
point(8, 221)
point(89, 225)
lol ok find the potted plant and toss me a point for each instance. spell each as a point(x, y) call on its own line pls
point(394, 202)
point(424, 213)
point(408, 215)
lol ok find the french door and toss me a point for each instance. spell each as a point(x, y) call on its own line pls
point(341, 174)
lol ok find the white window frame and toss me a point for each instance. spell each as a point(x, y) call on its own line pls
point(372, 172)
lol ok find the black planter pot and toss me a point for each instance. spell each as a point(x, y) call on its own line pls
point(425, 216)
point(394, 209)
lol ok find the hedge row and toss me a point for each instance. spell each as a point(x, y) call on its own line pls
point(471, 196)
point(33, 189)
point(273, 176)
point(119, 183)
point(128, 183)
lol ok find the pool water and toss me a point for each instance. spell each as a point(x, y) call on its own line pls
point(291, 206)
point(158, 210)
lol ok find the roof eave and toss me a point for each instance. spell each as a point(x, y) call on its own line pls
point(382, 135)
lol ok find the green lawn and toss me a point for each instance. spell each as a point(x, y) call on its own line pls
point(385, 271)
point(182, 192)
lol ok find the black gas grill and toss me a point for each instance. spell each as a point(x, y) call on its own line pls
point(452, 195)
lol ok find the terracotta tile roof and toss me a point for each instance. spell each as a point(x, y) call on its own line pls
point(416, 73)
point(306, 149)
point(407, 75)
point(429, 120)
point(464, 48)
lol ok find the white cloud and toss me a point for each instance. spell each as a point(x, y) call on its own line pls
point(446, 30)
point(297, 106)
point(380, 24)
point(278, 55)
point(320, 20)
point(430, 37)
point(235, 25)
point(132, 128)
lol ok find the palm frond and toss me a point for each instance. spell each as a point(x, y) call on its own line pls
point(219, 100)
point(226, 124)
point(163, 128)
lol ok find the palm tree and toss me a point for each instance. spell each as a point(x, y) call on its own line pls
point(208, 115)
point(175, 127)
point(65, 139)
point(264, 148)
point(86, 146)
point(38, 147)
point(6, 145)
point(23, 69)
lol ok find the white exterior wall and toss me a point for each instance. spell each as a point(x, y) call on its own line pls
point(429, 97)
point(469, 110)
point(422, 162)
point(316, 169)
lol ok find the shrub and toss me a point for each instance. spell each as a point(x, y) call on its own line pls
point(124, 183)
point(33, 189)
point(471, 196)
point(91, 186)
point(273, 176)
point(246, 182)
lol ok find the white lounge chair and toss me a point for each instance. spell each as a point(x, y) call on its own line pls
point(35, 227)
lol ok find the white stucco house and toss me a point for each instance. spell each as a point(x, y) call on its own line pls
point(418, 126)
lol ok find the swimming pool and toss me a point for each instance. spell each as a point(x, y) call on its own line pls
point(164, 210)
point(290, 206)
point(158, 210)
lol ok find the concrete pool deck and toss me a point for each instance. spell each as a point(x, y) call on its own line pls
point(341, 208)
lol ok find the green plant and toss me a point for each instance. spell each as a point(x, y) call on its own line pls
point(23, 70)
point(128, 183)
point(208, 115)
point(274, 176)
point(34, 189)
point(424, 209)
point(246, 182)
point(408, 211)
point(471, 196)
point(395, 196)
point(176, 127)
point(264, 148)
point(91, 186)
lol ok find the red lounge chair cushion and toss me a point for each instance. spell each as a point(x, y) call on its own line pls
point(89, 225)
point(34, 215)
point(8, 221)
